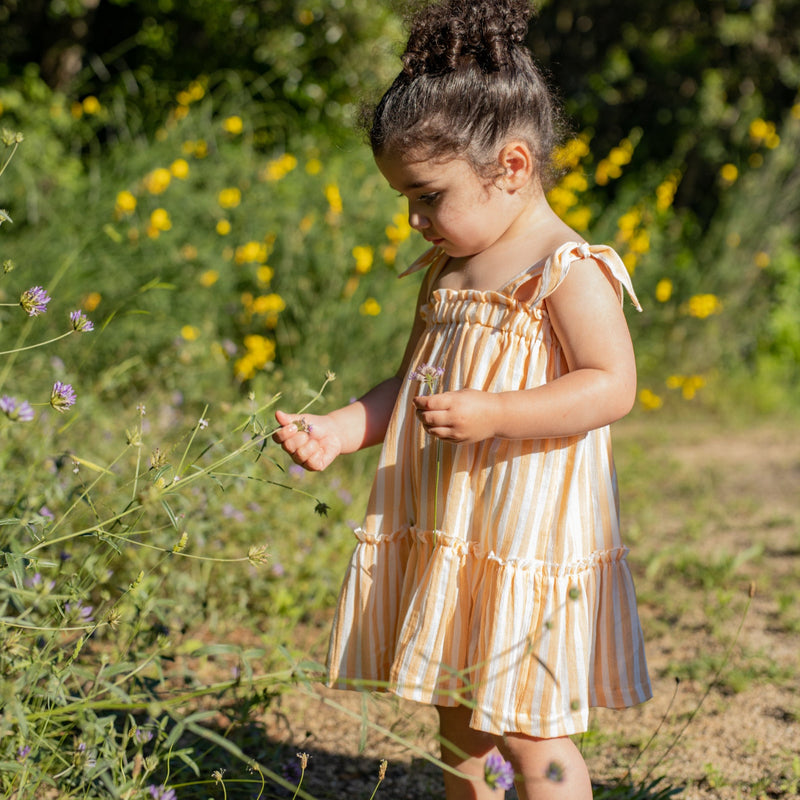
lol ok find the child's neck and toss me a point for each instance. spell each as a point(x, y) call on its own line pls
point(534, 234)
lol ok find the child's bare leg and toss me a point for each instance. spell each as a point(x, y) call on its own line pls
point(546, 769)
point(465, 749)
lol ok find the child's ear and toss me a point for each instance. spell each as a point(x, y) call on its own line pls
point(516, 163)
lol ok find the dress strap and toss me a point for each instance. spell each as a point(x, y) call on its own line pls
point(557, 267)
point(434, 260)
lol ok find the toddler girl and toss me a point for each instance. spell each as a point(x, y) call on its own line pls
point(489, 578)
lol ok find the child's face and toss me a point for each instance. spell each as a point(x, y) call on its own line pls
point(449, 203)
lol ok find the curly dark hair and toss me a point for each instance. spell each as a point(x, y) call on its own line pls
point(468, 84)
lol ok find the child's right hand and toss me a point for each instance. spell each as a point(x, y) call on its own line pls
point(312, 441)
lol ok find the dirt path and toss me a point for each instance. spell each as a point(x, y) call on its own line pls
point(712, 515)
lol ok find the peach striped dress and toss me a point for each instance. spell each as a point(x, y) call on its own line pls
point(503, 585)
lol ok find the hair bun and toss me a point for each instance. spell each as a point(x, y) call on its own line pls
point(447, 35)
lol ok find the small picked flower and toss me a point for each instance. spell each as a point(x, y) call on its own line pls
point(80, 322)
point(428, 374)
point(34, 301)
point(15, 410)
point(498, 773)
point(62, 397)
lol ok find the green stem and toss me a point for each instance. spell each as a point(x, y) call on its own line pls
point(34, 346)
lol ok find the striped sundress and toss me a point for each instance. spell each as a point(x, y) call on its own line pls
point(502, 584)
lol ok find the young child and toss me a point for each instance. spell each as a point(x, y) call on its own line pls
point(489, 578)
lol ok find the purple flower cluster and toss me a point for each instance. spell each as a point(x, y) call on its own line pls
point(16, 411)
point(498, 773)
point(34, 301)
point(80, 322)
point(62, 396)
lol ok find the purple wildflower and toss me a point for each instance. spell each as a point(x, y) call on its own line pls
point(23, 753)
point(498, 773)
point(80, 322)
point(142, 736)
point(16, 411)
point(162, 793)
point(81, 612)
point(34, 301)
point(428, 374)
point(62, 397)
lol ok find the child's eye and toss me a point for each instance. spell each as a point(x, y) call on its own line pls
point(429, 199)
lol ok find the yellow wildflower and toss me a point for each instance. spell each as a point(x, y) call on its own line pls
point(729, 173)
point(229, 197)
point(704, 305)
point(180, 112)
point(179, 168)
point(561, 199)
point(189, 333)
point(759, 130)
point(76, 109)
point(125, 204)
point(196, 90)
point(334, 198)
point(91, 105)
point(279, 167)
point(796, 111)
point(630, 260)
point(313, 166)
point(200, 149)
point(268, 304)
point(189, 252)
point(579, 218)
point(690, 386)
point(650, 400)
point(570, 154)
point(159, 219)
point(663, 290)
point(665, 191)
point(762, 259)
point(640, 243)
point(370, 307)
point(251, 252)
point(305, 16)
point(733, 239)
point(264, 274)
point(675, 381)
point(306, 223)
point(389, 254)
point(91, 301)
point(209, 278)
point(223, 227)
point(363, 255)
point(233, 125)
point(575, 182)
point(399, 230)
point(157, 181)
point(183, 98)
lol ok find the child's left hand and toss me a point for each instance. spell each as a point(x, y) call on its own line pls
point(461, 417)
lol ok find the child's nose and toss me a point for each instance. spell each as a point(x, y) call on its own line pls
point(418, 221)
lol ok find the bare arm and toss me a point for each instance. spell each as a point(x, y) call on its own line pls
point(599, 387)
point(316, 441)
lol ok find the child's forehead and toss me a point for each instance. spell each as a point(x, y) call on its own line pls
point(409, 172)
